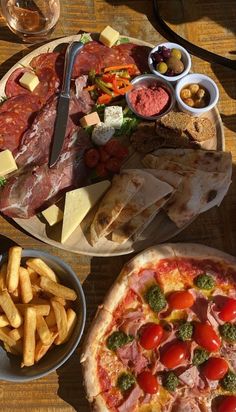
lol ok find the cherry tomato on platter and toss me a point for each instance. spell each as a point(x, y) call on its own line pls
point(113, 165)
point(174, 355)
point(228, 404)
point(215, 368)
point(104, 156)
point(206, 337)
point(91, 158)
point(181, 299)
point(228, 311)
point(148, 382)
point(151, 335)
point(101, 170)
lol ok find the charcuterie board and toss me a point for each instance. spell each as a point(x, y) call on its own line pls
point(161, 229)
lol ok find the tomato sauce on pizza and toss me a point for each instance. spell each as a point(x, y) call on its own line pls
point(165, 338)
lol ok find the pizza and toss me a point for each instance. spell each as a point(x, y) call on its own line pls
point(164, 339)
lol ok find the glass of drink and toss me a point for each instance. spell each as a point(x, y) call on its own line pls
point(32, 20)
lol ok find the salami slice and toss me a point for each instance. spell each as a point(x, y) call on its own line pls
point(49, 84)
point(54, 61)
point(24, 105)
point(132, 53)
point(13, 87)
point(11, 130)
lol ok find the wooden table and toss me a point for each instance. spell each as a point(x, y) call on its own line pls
point(204, 22)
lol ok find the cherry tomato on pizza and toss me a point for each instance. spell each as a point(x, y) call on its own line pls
point(151, 335)
point(148, 382)
point(228, 404)
point(181, 299)
point(215, 368)
point(174, 355)
point(228, 311)
point(206, 337)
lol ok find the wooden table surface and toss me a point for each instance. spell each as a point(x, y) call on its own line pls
point(209, 25)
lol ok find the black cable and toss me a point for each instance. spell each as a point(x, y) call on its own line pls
point(170, 35)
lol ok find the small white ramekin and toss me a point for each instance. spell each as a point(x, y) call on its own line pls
point(186, 59)
point(206, 82)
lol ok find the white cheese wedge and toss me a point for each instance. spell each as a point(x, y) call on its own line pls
point(29, 81)
point(90, 119)
point(109, 36)
point(113, 116)
point(102, 134)
point(53, 214)
point(7, 163)
point(77, 205)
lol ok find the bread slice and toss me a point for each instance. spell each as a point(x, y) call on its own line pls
point(177, 121)
point(201, 129)
point(171, 138)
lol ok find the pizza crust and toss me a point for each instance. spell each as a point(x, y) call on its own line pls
point(195, 250)
point(89, 352)
point(99, 404)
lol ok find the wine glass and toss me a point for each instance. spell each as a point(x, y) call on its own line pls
point(32, 20)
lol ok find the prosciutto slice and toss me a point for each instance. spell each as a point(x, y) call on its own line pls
point(132, 321)
point(130, 403)
point(131, 356)
point(186, 405)
point(35, 187)
point(140, 281)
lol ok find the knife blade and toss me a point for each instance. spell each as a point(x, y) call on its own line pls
point(63, 103)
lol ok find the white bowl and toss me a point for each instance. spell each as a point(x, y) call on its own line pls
point(186, 59)
point(206, 82)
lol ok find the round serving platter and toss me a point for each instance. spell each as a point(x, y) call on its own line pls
point(161, 229)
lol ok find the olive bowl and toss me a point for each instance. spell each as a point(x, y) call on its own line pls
point(10, 365)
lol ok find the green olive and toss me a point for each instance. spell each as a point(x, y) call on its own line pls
point(162, 67)
point(176, 53)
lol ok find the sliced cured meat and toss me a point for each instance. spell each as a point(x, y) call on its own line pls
point(130, 355)
point(190, 376)
point(186, 405)
point(90, 58)
point(13, 87)
point(131, 53)
point(35, 145)
point(52, 60)
point(11, 130)
point(24, 105)
point(36, 187)
point(131, 401)
point(139, 282)
point(49, 83)
point(132, 321)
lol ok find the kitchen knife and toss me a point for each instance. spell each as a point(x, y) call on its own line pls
point(63, 103)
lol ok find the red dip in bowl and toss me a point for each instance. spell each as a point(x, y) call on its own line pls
point(149, 100)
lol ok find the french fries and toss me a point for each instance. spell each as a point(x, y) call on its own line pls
point(35, 309)
point(25, 285)
point(40, 267)
point(56, 289)
point(29, 340)
point(14, 259)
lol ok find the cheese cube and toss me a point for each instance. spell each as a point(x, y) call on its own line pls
point(52, 214)
point(113, 116)
point(29, 81)
point(90, 119)
point(102, 133)
point(109, 36)
point(7, 163)
point(77, 205)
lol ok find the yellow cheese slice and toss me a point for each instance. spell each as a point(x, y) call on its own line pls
point(29, 81)
point(7, 163)
point(52, 214)
point(78, 203)
point(109, 36)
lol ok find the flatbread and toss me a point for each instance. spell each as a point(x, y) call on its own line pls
point(124, 187)
point(151, 192)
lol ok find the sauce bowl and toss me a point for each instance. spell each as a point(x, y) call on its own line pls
point(146, 81)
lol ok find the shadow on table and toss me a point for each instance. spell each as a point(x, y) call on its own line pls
point(103, 273)
point(6, 243)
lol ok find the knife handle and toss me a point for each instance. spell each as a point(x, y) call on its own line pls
point(71, 52)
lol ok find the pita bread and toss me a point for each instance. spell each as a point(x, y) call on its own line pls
point(174, 179)
point(124, 187)
point(207, 160)
point(198, 192)
point(151, 192)
point(135, 227)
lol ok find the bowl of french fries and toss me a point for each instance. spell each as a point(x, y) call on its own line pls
point(42, 314)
